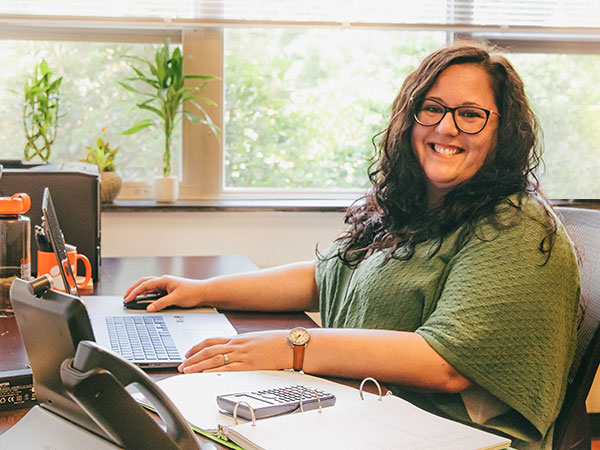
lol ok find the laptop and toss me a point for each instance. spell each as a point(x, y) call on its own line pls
point(146, 339)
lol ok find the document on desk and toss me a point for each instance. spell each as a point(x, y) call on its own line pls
point(352, 423)
point(41, 429)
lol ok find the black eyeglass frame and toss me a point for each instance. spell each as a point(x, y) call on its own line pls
point(447, 109)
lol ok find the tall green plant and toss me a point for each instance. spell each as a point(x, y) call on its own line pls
point(166, 94)
point(40, 112)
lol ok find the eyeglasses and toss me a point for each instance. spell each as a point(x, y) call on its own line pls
point(468, 119)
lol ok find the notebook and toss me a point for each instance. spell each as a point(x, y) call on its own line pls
point(146, 339)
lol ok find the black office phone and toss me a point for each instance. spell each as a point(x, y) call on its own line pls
point(96, 379)
point(77, 379)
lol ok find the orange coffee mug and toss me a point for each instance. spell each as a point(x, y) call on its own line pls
point(46, 263)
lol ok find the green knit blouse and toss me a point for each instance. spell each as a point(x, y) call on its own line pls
point(495, 308)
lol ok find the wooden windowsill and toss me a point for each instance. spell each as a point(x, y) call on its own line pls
point(308, 205)
point(304, 205)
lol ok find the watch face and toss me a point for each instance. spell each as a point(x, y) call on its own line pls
point(299, 336)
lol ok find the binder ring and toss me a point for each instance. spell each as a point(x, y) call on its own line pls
point(302, 398)
point(235, 408)
point(362, 383)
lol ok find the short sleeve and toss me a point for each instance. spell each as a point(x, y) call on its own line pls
point(332, 278)
point(506, 317)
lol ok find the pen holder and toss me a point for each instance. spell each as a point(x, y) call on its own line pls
point(46, 263)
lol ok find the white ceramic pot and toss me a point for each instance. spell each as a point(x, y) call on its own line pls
point(166, 189)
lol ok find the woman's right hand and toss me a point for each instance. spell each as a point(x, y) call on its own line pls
point(181, 292)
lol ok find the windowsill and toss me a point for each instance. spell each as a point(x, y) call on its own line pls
point(307, 205)
point(586, 203)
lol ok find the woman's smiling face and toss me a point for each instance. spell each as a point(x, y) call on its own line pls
point(447, 155)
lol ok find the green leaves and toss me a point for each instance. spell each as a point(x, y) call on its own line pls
point(102, 155)
point(139, 126)
point(40, 112)
point(166, 93)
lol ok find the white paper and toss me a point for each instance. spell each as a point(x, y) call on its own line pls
point(40, 429)
point(385, 425)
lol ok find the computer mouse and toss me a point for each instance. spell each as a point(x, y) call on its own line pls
point(143, 300)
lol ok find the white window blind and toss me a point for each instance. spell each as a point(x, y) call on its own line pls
point(576, 14)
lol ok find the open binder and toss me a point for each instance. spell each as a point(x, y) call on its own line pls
point(374, 422)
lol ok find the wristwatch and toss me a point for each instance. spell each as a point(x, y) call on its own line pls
point(298, 338)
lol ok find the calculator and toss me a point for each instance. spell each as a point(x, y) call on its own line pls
point(274, 402)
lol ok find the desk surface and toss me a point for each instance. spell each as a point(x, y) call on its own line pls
point(117, 274)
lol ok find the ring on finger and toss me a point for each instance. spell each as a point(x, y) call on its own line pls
point(226, 358)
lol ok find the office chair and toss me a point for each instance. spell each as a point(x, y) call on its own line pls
point(572, 429)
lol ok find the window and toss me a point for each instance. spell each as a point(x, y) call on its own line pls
point(90, 99)
point(303, 86)
point(564, 90)
point(301, 114)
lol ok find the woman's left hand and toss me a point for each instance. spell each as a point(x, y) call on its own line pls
point(265, 350)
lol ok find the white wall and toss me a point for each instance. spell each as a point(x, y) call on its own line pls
point(269, 238)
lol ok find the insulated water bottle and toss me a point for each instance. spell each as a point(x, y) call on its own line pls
point(15, 246)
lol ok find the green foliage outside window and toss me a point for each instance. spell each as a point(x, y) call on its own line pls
point(565, 93)
point(302, 106)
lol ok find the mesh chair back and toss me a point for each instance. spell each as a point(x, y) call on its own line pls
point(572, 425)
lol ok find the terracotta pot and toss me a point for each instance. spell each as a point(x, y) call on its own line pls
point(166, 189)
point(110, 186)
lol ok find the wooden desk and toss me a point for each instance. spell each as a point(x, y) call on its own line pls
point(117, 274)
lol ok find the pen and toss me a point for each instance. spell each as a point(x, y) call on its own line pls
point(42, 240)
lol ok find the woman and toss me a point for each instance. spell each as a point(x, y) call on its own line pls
point(454, 283)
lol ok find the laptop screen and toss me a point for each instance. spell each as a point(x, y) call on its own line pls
point(57, 240)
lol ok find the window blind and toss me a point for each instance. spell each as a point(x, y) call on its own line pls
point(495, 13)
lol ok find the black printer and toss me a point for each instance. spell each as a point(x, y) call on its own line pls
point(75, 190)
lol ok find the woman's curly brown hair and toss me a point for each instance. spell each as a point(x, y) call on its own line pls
point(393, 217)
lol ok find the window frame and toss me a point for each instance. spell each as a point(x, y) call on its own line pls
point(202, 171)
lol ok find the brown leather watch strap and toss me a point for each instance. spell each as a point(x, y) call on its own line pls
point(298, 356)
point(298, 338)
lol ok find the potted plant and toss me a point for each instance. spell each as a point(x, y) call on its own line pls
point(164, 96)
point(40, 112)
point(103, 156)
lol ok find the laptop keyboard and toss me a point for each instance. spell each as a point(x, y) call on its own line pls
point(139, 338)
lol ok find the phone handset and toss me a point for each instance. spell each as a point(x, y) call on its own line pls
point(96, 379)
